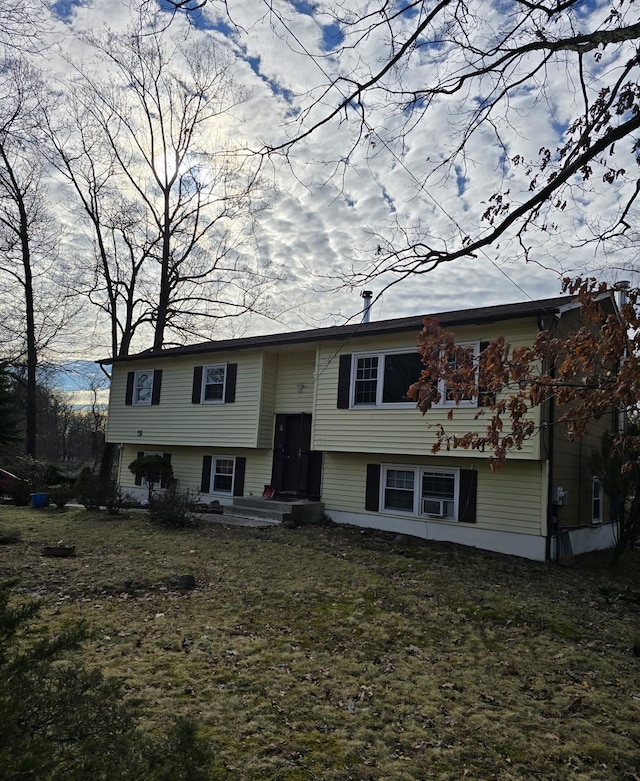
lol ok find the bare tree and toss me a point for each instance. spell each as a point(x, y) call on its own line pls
point(478, 68)
point(28, 240)
point(23, 25)
point(169, 199)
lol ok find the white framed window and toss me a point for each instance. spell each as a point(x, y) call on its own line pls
point(447, 395)
point(214, 379)
point(431, 492)
point(597, 495)
point(142, 387)
point(221, 475)
point(382, 379)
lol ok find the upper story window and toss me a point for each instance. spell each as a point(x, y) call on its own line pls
point(383, 378)
point(214, 383)
point(465, 357)
point(143, 387)
point(378, 379)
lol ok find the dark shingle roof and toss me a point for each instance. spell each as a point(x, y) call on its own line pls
point(477, 316)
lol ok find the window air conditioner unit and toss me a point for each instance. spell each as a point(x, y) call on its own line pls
point(434, 507)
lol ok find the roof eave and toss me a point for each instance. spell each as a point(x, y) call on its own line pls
point(480, 316)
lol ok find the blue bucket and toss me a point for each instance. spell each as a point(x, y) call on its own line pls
point(39, 501)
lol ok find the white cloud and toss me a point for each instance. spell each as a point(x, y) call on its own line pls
point(318, 226)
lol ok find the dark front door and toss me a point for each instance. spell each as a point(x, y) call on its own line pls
point(291, 454)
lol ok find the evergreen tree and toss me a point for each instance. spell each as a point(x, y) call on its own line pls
point(62, 722)
point(9, 426)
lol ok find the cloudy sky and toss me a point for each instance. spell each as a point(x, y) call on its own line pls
point(327, 214)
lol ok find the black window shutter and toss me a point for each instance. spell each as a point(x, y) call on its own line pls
point(230, 383)
point(344, 381)
point(128, 396)
point(485, 398)
point(468, 493)
point(205, 483)
point(238, 476)
point(196, 391)
point(164, 482)
point(138, 477)
point(157, 384)
point(372, 493)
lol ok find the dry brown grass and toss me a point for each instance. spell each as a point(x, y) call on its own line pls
point(329, 653)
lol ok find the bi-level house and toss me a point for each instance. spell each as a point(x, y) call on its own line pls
point(322, 414)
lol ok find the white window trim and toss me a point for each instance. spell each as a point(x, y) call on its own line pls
point(380, 355)
point(417, 490)
point(595, 481)
point(473, 402)
point(135, 401)
point(203, 384)
point(215, 458)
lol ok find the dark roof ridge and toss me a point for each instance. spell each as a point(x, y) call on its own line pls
point(413, 322)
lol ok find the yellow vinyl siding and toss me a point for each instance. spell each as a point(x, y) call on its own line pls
point(268, 399)
point(295, 369)
point(572, 472)
point(403, 430)
point(175, 420)
point(572, 457)
point(511, 500)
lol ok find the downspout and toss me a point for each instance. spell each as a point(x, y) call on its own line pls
point(552, 518)
point(621, 288)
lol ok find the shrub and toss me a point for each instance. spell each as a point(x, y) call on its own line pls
point(95, 494)
point(60, 495)
point(33, 472)
point(154, 469)
point(115, 499)
point(617, 464)
point(62, 722)
point(91, 494)
point(176, 511)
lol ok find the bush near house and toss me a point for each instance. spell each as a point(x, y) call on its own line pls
point(173, 510)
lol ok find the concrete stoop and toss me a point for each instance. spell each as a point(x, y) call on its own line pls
point(296, 511)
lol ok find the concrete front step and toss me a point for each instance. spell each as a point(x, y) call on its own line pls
point(276, 510)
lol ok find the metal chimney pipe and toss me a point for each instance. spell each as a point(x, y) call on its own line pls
point(366, 295)
point(621, 290)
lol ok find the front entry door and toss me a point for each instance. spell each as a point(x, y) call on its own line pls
point(291, 454)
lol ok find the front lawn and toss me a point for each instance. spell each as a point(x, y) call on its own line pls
point(331, 653)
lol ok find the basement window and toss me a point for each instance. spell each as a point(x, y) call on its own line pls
point(427, 492)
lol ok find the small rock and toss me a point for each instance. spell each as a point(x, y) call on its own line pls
point(186, 582)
